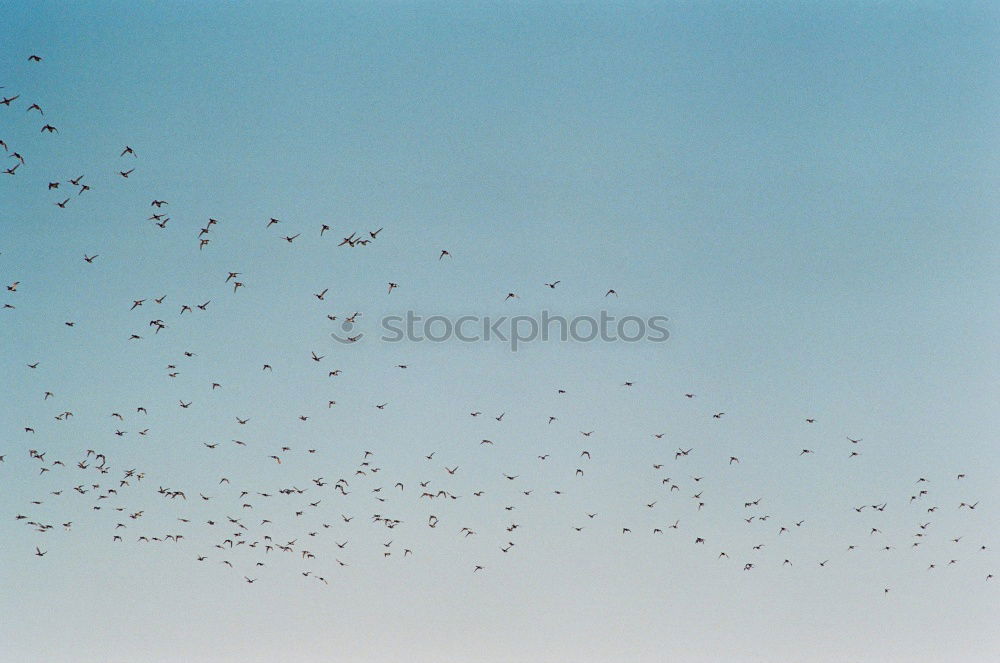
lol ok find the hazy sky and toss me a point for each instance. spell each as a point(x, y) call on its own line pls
point(808, 191)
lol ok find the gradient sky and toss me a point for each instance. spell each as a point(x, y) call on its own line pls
point(807, 190)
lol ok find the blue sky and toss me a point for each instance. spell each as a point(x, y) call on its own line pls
point(807, 191)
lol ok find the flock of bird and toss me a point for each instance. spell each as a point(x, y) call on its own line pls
point(310, 516)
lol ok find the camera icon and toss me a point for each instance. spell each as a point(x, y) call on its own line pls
point(347, 333)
